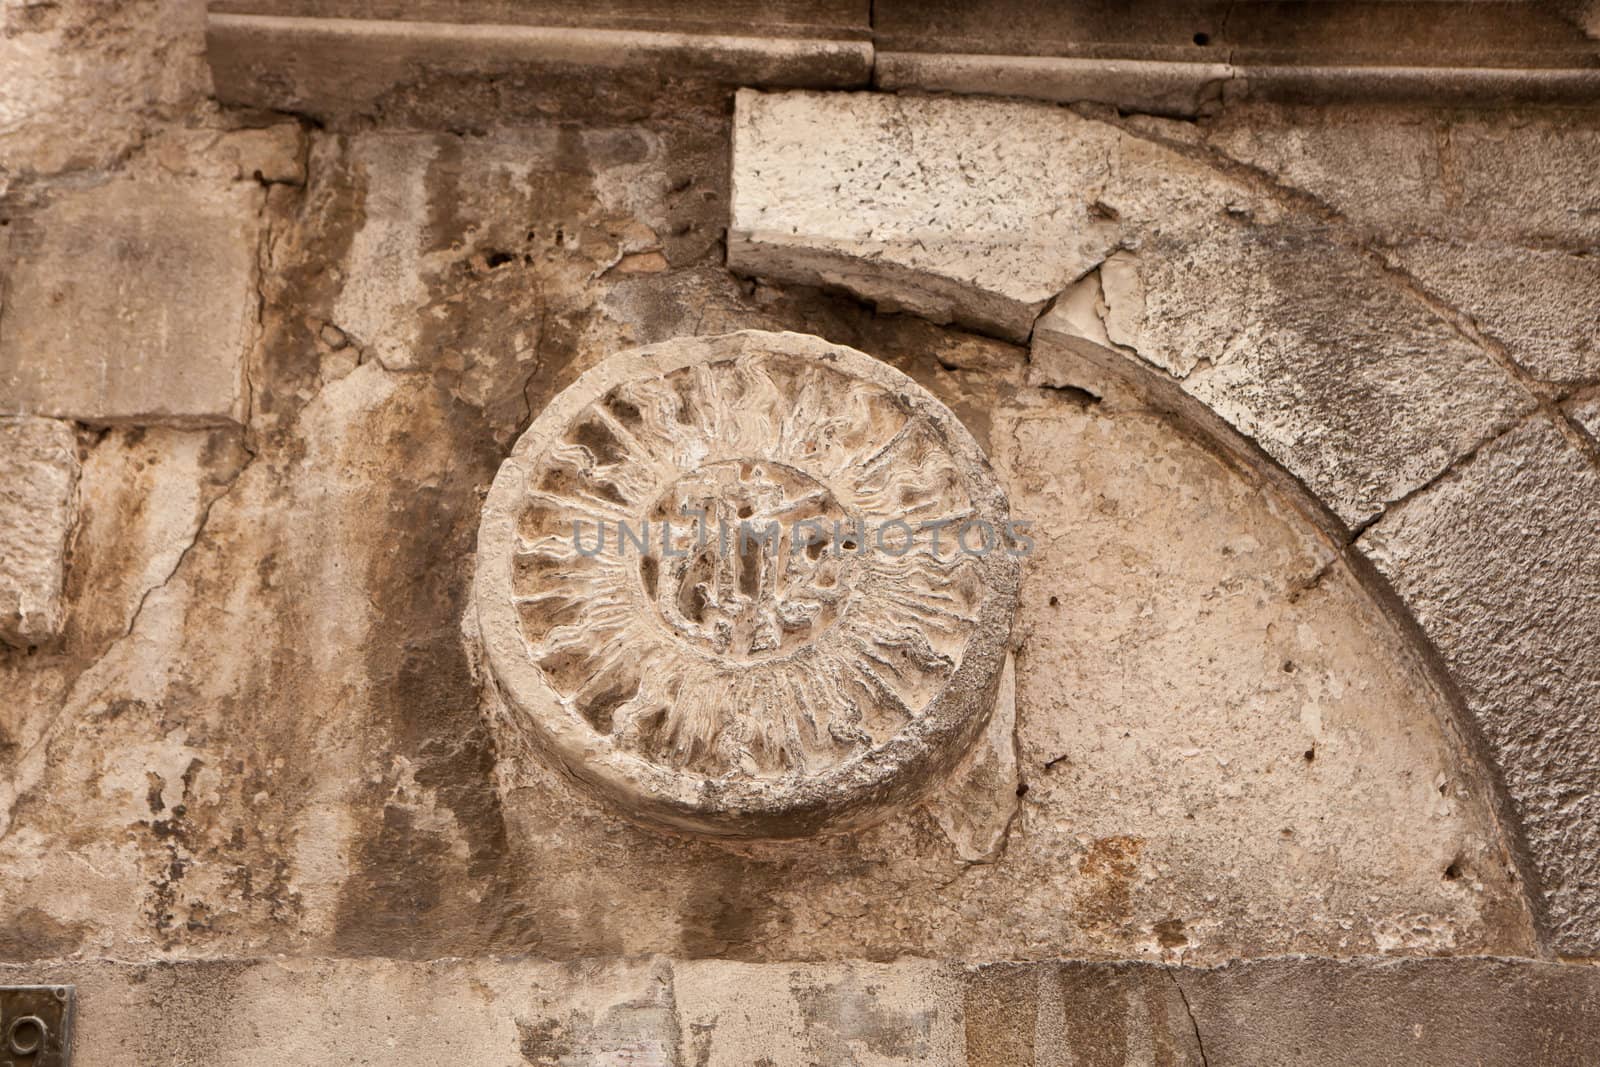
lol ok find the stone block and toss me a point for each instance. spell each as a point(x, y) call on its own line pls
point(1520, 177)
point(974, 211)
point(336, 68)
point(1543, 305)
point(131, 302)
point(1355, 388)
point(38, 505)
point(732, 1014)
point(1500, 563)
point(983, 211)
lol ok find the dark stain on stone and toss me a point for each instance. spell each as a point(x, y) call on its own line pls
point(1095, 1000)
point(1104, 894)
point(723, 914)
point(546, 1042)
point(1169, 933)
point(1000, 1009)
point(409, 895)
point(848, 1013)
point(32, 934)
point(311, 229)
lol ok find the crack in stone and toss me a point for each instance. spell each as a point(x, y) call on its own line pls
point(1194, 1024)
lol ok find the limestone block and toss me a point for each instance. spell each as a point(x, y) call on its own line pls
point(975, 211)
point(712, 585)
point(1544, 306)
point(1515, 176)
point(710, 1013)
point(273, 153)
point(983, 211)
point(1355, 388)
point(1360, 1012)
point(131, 302)
point(878, 1014)
point(38, 504)
point(1500, 563)
point(84, 80)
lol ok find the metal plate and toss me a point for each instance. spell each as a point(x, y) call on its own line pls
point(36, 1025)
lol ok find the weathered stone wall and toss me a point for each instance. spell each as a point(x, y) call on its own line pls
point(1301, 405)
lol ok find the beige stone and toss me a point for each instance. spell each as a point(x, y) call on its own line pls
point(656, 1012)
point(978, 805)
point(982, 211)
point(270, 154)
point(1520, 177)
point(707, 680)
point(1354, 387)
point(38, 506)
point(1542, 305)
point(1500, 564)
point(971, 211)
point(131, 302)
point(336, 68)
point(868, 1014)
point(85, 82)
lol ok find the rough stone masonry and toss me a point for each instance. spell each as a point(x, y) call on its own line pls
point(323, 741)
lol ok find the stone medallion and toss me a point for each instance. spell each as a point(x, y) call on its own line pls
point(750, 585)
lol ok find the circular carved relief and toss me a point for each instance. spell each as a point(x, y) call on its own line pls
point(751, 585)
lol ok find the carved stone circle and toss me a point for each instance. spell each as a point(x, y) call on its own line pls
point(753, 585)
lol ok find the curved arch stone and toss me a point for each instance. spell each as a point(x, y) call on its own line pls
point(768, 642)
point(1281, 336)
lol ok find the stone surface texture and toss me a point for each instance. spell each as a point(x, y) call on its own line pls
point(980, 217)
point(662, 1012)
point(132, 301)
point(323, 792)
point(38, 506)
point(87, 81)
point(985, 211)
point(1501, 566)
point(801, 651)
point(1508, 291)
point(1299, 762)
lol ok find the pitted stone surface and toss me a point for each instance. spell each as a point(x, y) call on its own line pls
point(1501, 566)
point(1525, 177)
point(38, 495)
point(976, 211)
point(1543, 305)
point(131, 302)
point(708, 584)
point(660, 1012)
point(1352, 385)
point(983, 211)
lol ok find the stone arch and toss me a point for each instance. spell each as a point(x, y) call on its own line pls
point(1461, 481)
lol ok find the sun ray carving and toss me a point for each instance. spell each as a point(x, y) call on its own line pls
point(721, 571)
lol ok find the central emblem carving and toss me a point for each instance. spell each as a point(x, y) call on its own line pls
point(739, 582)
point(712, 584)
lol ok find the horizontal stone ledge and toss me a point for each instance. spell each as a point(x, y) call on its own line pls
point(328, 66)
point(765, 18)
point(1186, 89)
point(331, 66)
point(491, 1012)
